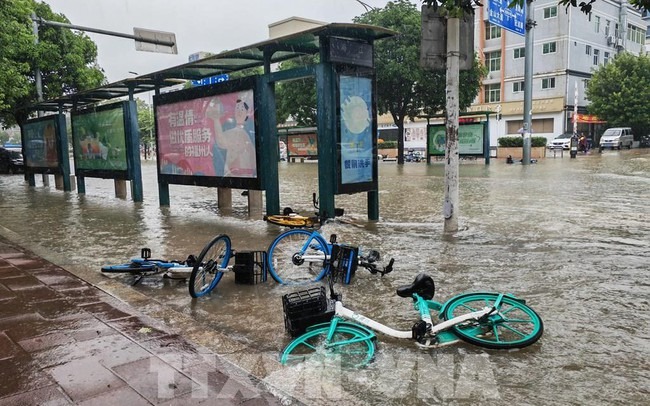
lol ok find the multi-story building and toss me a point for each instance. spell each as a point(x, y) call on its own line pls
point(568, 46)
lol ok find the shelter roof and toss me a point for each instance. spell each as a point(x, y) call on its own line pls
point(279, 49)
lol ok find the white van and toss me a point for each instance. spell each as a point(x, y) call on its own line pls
point(616, 138)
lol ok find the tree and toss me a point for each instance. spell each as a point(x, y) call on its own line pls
point(619, 93)
point(146, 125)
point(297, 98)
point(404, 89)
point(67, 59)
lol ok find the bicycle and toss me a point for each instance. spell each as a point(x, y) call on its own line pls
point(145, 266)
point(211, 265)
point(302, 256)
point(292, 219)
point(490, 320)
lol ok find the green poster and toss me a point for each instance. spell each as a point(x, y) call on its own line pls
point(100, 140)
point(470, 139)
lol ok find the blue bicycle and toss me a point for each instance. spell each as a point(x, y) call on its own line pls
point(300, 256)
point(146, 266)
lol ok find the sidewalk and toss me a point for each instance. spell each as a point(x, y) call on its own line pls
point(64, 342)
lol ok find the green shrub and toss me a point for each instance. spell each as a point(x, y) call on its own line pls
point(518, 142)
point(387, 145)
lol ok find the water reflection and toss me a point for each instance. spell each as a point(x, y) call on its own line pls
point(569, 235)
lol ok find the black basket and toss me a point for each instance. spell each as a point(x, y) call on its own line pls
point(306, 308)
point(344, 262)
point(250, 267)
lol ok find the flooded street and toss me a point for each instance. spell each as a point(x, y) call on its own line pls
point(570, 236)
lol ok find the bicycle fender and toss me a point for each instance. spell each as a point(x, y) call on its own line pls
point(509, 295)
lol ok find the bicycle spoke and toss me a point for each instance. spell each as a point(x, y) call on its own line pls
point(514, 330)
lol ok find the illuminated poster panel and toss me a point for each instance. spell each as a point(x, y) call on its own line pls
point(357, 160)
point(40, 143)
point(208, 136)
point(470, 139)
point(99, 141)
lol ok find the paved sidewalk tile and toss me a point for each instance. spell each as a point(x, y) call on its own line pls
point(66, 342)
point(85, 378)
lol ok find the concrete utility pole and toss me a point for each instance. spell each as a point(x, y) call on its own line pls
point(528, 81)
point(451, 203)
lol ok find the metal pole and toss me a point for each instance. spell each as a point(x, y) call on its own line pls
point(37, 72)
point(39, 20)
point(528, 81)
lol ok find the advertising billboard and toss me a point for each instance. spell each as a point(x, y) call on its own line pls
point(357, 165)
point(40, 144)
point(470, 139)
point(208, 136)
point(302, 145)
point(99, 141)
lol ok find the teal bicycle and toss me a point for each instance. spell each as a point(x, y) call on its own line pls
point(490, 320)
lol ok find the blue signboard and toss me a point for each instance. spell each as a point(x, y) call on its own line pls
point(211, 80)
point(511, 19)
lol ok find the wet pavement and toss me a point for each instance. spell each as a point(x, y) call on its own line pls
point(64, 341)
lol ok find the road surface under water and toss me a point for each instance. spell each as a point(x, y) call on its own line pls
point(570, 236)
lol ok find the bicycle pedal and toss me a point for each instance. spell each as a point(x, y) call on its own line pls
point(145, 253)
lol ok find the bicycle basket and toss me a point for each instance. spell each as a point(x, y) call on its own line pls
point(343, 262)
point(306, 308)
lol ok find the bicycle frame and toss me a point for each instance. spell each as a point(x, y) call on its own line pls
point(424, 307)
point(313, 257)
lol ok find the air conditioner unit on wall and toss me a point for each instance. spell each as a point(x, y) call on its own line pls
point(610, 40)
point(619, 43)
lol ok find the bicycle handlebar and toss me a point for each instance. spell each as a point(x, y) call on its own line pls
point(374, 269)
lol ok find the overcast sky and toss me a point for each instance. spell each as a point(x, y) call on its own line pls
point(199, 25)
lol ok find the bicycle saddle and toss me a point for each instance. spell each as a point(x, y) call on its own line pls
point(423, 285)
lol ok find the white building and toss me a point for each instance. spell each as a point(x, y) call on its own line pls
point(568, 46)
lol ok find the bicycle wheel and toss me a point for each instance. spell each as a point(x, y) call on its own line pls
point(132, 267)
point(513, 325)
point(207, 271)
point(298, 256)
point(357, 353)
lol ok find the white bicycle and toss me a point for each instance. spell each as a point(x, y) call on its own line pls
point(491, 320)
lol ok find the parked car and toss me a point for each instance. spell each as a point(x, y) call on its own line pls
point(645, 142)
point(562, 141)
point(618, 138)
point(11, 160)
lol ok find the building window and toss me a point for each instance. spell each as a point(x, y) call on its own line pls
point(518, 87)
point(597, 25)
point(492, 31)
point(549, 48)
point(635, 34)
point(493, 93)
point(596, 57)
point(607, 25)
point(493, 61)
point(550, 12)
point(605, 58)
point(548, 83)
point(588, 50)
point(616, 31)
point(520, 53)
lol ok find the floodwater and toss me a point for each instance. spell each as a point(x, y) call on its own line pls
point(570, 236)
